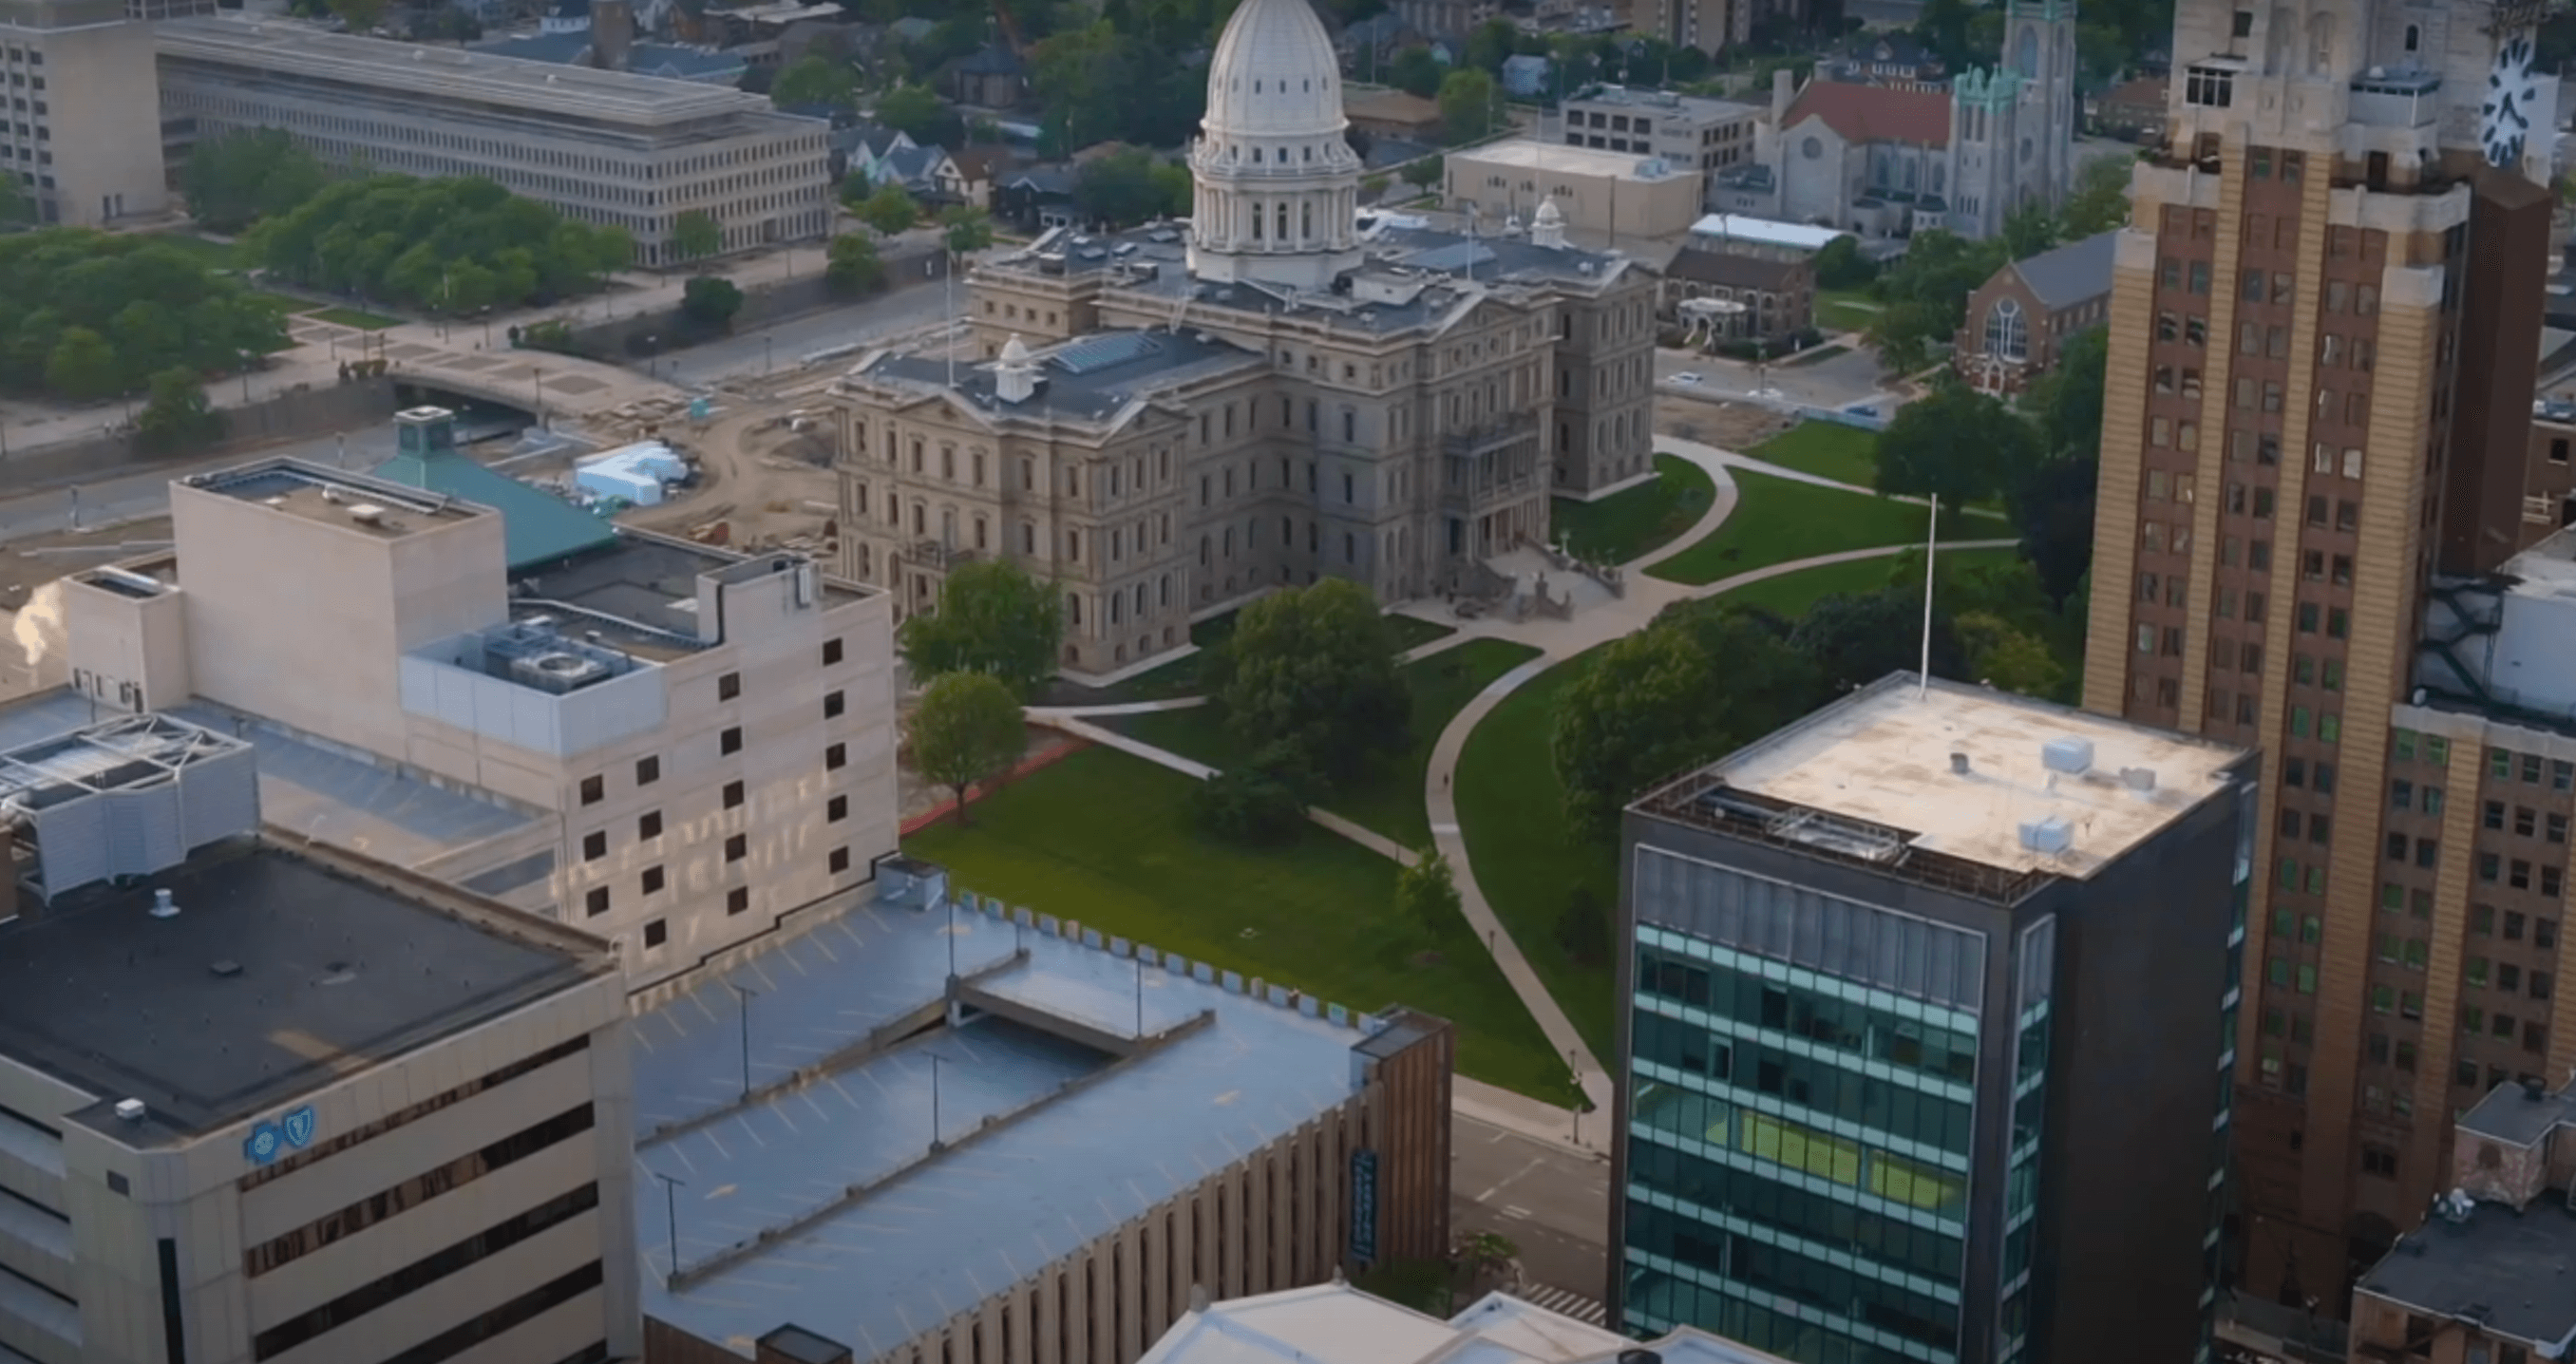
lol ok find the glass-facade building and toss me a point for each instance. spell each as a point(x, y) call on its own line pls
point(1853, 1132)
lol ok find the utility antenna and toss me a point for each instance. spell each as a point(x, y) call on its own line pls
point(1931, 546)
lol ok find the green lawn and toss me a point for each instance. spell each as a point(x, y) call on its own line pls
point(1108, 840)
point(1388, 798)
point(1412, 632)
point(1850, 310)
point(1845, 454)
point(1789, 595)
point(1781, 519)
point(214, 255)
point(1634, 521)
point(280, 304)
point(1180, 677)
point(351, 317)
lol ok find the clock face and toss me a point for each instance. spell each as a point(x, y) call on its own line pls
point(2504, 120)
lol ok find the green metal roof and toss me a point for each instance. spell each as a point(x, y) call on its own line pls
point(537, 526)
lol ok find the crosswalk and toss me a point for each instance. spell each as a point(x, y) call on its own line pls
point(1567, 1302)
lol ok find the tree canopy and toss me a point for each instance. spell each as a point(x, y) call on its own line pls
point(2099, 200)
point(851, 266)
point(815, 81)
point(992, 618)
point(233, 180)
point(1127, 187)
point(176, 416)
point(1416, 72)
point(1925, 294)
point(965, 231)
point(710, 300)
point(1470, 106)
point(1313, 669)
point(1956, 444)
point(453, 245)
point(967, 728)
point(919, 113)
point(888, 209)
point(1426, 895)
point(85, 315)
point(696, 235)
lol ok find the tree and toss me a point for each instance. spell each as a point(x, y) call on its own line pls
point(710, 301)
point(918, 113)
point(1491, 45)
point(398, 238)
point(1841, 264)
point(177, 416)
point(1469, 106)
point(1259, 803)
point(1416, 72)
point(2100, 199)
point(1854, 639)
point(2015, 660)
point(1583, 930)
point(964, 231)
point(696, 235)
point(83, 366)
point(1120, 189)
point(232, 180)
point(2029, 230)
point(1957, 445)
point(993, 618)
point(967, 729)
point(851, 266)
point(1313, 669)
point(815, 81)
point(1425, 893)
point(1423, 172)
point(2053, 510)
point(1639, 713)
point(16, 206)
point(361, 16)
point(889, 210)
point(2066, 402)
point(1926, 293)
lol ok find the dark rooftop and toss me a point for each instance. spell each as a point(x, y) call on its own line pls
point(2504, 1270)
point(1091, 379)
point(642, 580)
point(2519, 1116)
point(282, 972)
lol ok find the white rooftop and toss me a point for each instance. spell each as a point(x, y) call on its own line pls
point(1532, 154)
point(1740, 227)
point(1884, 755)
point(1337, 1324)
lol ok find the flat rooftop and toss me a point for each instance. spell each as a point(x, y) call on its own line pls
point(2505, 1270)
point(646, 580)
point(1883, 757)
point(1532, 154)
point(447, 75)
point(282, 972)
point(364, 504)
point(1098, 379)
point(935, 1234)
point(2512, 1113)
point(1338, 1324)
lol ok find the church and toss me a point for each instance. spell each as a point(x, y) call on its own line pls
point(1170, 420)
point(1892, 159)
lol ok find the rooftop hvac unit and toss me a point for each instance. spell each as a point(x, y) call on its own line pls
point(557, 672)
point(2051, 835)
point(2067, 754)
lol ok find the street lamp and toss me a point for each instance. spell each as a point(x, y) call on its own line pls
point(934, 1101)
point(671, 1206)
point(245, 378)
point(765, 340)
point(539, 374)
point(745, 994)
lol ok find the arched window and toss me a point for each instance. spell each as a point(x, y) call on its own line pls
point(2321, 38)
point(2007, 332)
point(2026, 57)
point(2414, 37)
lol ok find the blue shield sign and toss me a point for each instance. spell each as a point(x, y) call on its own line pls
point(1364, 1206)
point(261, 1145)
point(298, 1127)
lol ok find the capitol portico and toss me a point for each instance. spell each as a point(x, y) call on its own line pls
point(1172, 419)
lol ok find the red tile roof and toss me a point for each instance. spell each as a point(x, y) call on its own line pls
point(1874, 113)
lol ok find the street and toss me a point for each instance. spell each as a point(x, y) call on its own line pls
point(777, 347)
point(1837, 381)
point(1551, 1202)
point(146, 491)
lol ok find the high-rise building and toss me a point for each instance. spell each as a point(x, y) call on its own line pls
point(1926, 1034)
point(2323, 336)
point(669, 745)
point(260, 1100)
point(83, 146)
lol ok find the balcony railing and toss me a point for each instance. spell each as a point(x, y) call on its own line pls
point(1491, 437)
point(938, 556)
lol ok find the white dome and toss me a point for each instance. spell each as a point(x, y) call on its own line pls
point(1014, 352)
point(1274, 75)
point(1547, 215)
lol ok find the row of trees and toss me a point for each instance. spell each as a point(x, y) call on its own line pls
point(448, 245)
point(85, 315)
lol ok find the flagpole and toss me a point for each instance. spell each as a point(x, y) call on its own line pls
point(1931, 543)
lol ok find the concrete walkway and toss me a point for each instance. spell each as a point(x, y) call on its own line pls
point(1557, 641)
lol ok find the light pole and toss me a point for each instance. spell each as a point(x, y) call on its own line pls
point(934, 1101)
point(765, 342)
point(245, 378)
point(671, 1207)
point(539, 374)
point(1140, 999)
point(745, 994)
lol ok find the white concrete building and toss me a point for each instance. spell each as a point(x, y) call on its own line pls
point(671, 746)
point(272, 1103)
point(84, 150)
point(1337, 1324)
point(606, 147)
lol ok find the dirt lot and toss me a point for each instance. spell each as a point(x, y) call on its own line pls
point(769, 484)
point(1715, 421)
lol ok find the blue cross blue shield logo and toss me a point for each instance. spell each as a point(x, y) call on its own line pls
point(298, 1127)
point(261, 1145)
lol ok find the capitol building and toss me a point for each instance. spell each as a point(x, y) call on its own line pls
point(1169, 420)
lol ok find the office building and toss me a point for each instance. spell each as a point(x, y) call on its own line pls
point(932, 1130)
point(2483, 1280)
point(84, 151)
point(1739, 296)
point(2324, 323)
point(1338, 1324)
point(1604, 196)
point(260, 1100)
point(1171, 419)
point(601, 146)
point(671, 746)
point(1689, 132)
point(1926, 1034)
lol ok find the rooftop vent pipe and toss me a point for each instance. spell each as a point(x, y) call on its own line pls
point(163, 907)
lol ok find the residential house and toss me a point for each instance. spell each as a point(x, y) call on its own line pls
point(966, 175)
point(1449, 21)
point(1525, 76)
point(2134, 110)
point(912, 29)
point(1393, 113)
point(1893, 59)
point(1035, 198)
point(914, 167)
point(865, 146)
point(991, 77)
point(2023, 314)
point(1373, 39)
point(1777, 295)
